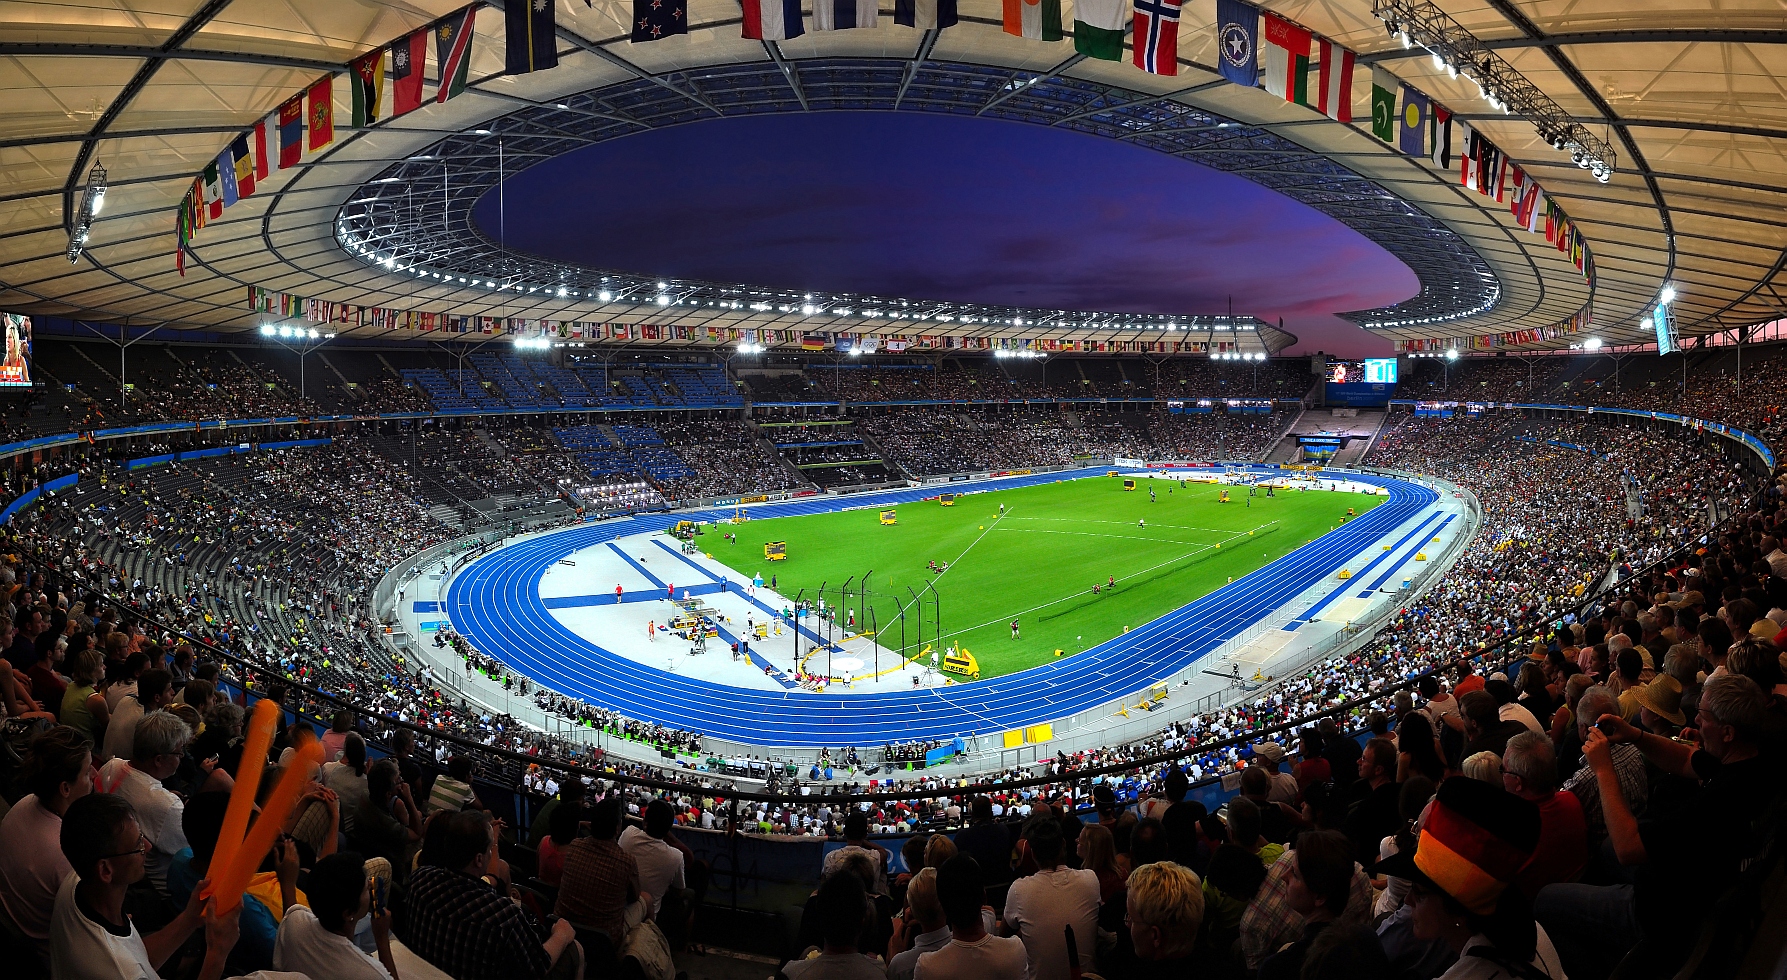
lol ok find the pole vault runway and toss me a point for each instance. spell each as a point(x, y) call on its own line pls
point(496, 603)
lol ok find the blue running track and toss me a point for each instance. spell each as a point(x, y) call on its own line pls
point(495, 603)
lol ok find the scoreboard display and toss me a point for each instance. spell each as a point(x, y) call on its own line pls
point(1380, 370)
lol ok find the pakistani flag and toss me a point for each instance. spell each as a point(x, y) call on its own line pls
point(1038, 20)
point(1098, 28)
point(1383, 105)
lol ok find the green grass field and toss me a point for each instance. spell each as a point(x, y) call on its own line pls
point(1038, 563)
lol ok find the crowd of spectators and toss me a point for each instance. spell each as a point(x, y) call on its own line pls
point(1215, 436)
point(1608, 696)
point(727, 456)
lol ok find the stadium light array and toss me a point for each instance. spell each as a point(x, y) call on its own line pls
point(1593, 343)
point(533, 343)
point(1457, 51)
point(92, 199)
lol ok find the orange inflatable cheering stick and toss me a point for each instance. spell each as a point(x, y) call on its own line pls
point(261, 728)
point(227, 884)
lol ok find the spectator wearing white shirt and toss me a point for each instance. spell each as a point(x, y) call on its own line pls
point(318, 941)
point(154, 691)
point(970, 954)
point(154, 756)
point(1041, 907)
point(90, 936)
point(660, 865)
point(347, 778)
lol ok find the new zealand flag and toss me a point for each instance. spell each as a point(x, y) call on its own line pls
point(657, 19)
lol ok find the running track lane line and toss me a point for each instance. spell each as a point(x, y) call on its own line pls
point(1090, 661)
point(495, 603)
point(1407, 556)
point(1421, 528)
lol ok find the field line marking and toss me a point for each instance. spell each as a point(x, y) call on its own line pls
point(1100, 534)
point(1074, 595)
point(1180, 527)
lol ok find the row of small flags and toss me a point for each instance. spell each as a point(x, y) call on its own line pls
point(1294, 64)
point(1574, 324)
point(1424, 128)
point(349, 316)
point(282, 133)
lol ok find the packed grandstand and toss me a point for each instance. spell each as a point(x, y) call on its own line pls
point(1622, 565)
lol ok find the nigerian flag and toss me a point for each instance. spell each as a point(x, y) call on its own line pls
point(1098, 28)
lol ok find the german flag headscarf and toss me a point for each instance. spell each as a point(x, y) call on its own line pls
point(1476, 839)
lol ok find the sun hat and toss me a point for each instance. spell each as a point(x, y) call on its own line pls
point(1663, 697)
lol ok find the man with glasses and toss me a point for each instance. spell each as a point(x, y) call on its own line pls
point(156, 748)
point(90, 936)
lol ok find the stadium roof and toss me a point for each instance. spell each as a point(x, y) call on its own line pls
point(154, 89)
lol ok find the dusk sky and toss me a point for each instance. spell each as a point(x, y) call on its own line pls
point(932, 206)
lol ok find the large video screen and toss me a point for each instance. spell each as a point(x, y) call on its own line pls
point(15, 371)
point(1380, 370)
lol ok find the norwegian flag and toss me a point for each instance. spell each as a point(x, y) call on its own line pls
point(1157, 36)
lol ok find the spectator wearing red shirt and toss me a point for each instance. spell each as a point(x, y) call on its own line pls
point(1529, 771)
point(1468, 680)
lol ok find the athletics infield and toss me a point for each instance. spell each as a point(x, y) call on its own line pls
point(1075, 563)
point(497, 602)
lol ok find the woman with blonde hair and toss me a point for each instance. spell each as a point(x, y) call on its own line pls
point(1098, 854)
point(1484, 767)
point(938, 850)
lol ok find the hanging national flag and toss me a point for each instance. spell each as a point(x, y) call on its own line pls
point(226, 171)
point(366, 77)
point(453, 51)
point(657, 19)
point(925, 15)
point(1439, 136)
point(182, 232)
point(196, 201)
point(1489, 166)
point(291, 131)
point(1414, 122)
point(1467, 154)
point(530, 29)
point(1098, 28)
point(258, 144)
point(814, 341)
point(409, 62)
point(1156, 38)
point(1535, 209)
point(1237, 42)
point(1287, 59)
point(772, 20)
point(244, 165)
point(1334, 94)
point(1038, 20)
point(842, 15)
point(1515, 181)
point(322, 112)
point(1383, 104)
point(213, 191)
